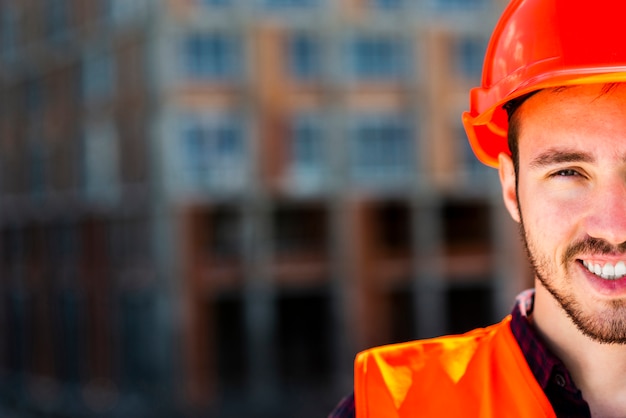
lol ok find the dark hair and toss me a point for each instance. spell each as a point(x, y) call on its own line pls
point(511, 108)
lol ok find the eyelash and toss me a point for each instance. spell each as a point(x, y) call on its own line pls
point(567, 172)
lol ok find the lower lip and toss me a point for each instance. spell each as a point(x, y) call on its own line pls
point(605, 287)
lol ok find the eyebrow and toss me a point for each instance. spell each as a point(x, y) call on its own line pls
point(556, 156)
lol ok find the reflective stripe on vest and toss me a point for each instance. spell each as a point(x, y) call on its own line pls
point(479, 374)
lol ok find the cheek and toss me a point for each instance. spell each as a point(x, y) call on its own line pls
point(548, 218)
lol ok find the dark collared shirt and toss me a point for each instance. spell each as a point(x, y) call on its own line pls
point(548, 369)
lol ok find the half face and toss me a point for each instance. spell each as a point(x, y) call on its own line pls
point(570, 200)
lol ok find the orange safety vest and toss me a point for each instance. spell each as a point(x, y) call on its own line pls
point(479, 374)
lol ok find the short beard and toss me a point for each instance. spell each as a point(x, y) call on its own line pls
point(606, 327)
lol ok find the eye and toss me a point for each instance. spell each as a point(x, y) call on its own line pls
point(568, 172)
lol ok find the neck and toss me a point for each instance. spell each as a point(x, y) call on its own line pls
point(598, 369)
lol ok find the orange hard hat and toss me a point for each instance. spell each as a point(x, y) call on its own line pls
point(539, 44)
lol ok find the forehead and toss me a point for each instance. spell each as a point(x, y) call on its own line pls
point(578, 116)
point(571, 98)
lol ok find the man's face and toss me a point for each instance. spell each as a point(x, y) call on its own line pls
point(571, 202)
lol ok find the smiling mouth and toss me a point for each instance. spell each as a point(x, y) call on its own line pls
point(607, 271)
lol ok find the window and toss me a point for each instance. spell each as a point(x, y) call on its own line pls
point(101, 162)
point(466, 226)
point(129, 242)
point(228, 312)
point(304, 56)
point(392, 225)
point(225, 228)
point(402, 313)
point(307, 152)
point(55, 18)
point(98, 75)
point(209, 4)
point(304, 344)
point(12, 246)
point(34, 97)
point(214, 152)
point(70, 332)
point(62, 243)
point(38, 180)
point(290, 4)
point(459, 4)
point(469, 306)
point(17, 350)
point(300, 229)
point(470, 53)
point(386, 4)
point(377, 57)
point(8, 31)
point(382, 150)
point(197, 151)
point(212, 56)
point(307, 147)
point(472, 167)
point(122, 11)
point(137, 330)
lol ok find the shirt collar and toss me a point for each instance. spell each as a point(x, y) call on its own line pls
point(543, 363)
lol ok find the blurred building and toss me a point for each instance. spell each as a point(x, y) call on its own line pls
point(207, 207)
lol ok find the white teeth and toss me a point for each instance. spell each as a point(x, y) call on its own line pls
point(597, 269)
point(608, 271)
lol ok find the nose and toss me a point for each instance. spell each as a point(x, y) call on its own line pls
point(607, 217)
